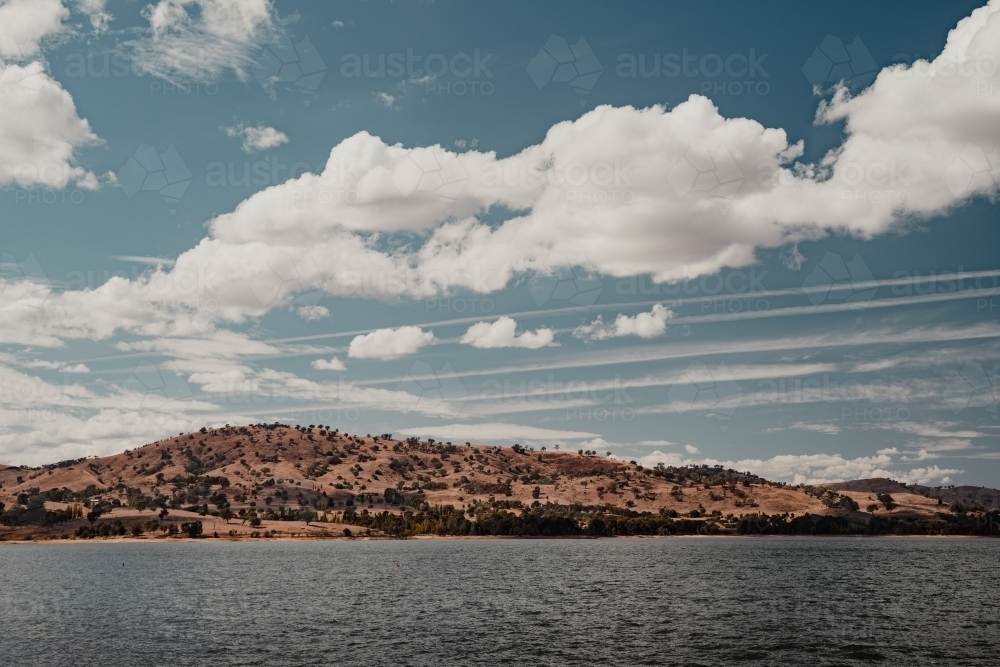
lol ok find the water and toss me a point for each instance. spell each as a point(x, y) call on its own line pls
point(683, 601)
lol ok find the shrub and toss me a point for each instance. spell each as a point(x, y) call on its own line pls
point(192, 528)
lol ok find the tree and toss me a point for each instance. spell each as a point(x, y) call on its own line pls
point(887, 501)
point(192, 528)
point(226, 514)
point(307, 515)
point(536, 492)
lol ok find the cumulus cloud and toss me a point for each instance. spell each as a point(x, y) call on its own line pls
point(258, 138)
point(308, 234)
point(334, 364)
point(691, 449)
point(199, 40)
point(501, 334)
point(40, 131)
point(389, 343)
point(643, 325)
point(24, 25)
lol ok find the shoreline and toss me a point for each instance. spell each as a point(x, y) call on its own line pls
point(452, 538)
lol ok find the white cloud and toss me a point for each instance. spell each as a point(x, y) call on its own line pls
point(829, 429)
point(501, 334)
point(95, 10)
point(258, 138)
point(143, 259)
point(389, 343)
point(337, 24)
point(39, 127)
point(655, 443)
point(493, 432)
point(57, 365)
point(313, 313)
point(66, 435)
point(385, 100)
point(812, 468)
point(691, 449)
point(297, 236)
point(644, 325)
point(40, 131)
point(199, 40)
point(24, 24)
point(334, 364)
point(75, 368)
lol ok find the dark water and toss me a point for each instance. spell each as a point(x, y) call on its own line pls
point(796, 601)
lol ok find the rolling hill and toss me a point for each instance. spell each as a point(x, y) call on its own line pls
point(282, 480)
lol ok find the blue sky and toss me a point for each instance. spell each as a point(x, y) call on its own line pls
point(685, 233)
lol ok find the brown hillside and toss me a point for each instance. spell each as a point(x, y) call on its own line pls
point(278, 467)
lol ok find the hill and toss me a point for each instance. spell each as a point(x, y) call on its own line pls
point(281, 480)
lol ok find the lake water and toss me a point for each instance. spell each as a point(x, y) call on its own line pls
point(690, 601)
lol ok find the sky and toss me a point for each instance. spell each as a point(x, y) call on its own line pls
point(757, 236)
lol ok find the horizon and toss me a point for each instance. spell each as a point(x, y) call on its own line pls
point(695, 234)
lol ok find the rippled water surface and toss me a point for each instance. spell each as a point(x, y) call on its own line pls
point(795, 601)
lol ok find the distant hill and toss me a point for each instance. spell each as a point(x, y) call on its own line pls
point(972, 496)
point(276, 479)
